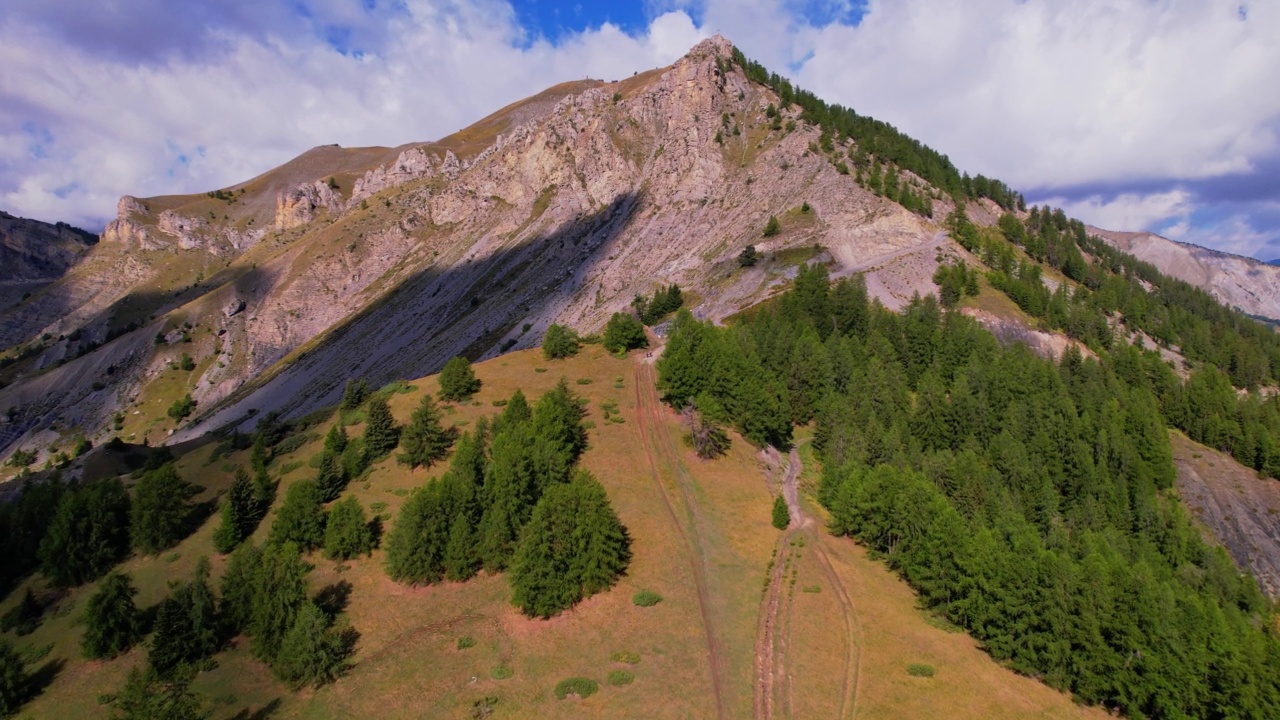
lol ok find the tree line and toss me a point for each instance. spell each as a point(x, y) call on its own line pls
point(1022, 498)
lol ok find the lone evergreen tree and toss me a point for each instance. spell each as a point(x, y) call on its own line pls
point(424, 440)
point(161, 509)
point(748, 257)
point(239, 514)
point(458, 381)
point(111, 619)
point(573, 547)
point(624, 332)
point(331, 477)
point(380, 431)
point(300, 519)
point(311, 653)
point(771, 227)
point(559, 342)
point(781, 515)
point(347, 533)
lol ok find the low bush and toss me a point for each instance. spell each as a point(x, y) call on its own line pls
point(920, 670)
point(646, 598)
point(580, 686)
point(621, 677)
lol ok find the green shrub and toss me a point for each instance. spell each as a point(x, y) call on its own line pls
point(920, 670)
point(501, 672)
point(466, 641)
point(580, 686)
point(621, 677)
point(646, 598)
point(629, 658)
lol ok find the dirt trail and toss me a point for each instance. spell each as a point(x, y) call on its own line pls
point(773, 638)
point(661, 452)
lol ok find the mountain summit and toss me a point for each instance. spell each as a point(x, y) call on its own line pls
point(384, 262)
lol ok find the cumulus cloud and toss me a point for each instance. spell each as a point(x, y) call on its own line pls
point(1167, 104)
point(1131, 210)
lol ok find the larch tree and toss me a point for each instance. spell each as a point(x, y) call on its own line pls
point(381, 433)
point(300, 519)
point(424, 440)
point(239, 514)
point(161, 511)
point(112, 624)
point(347, 534)
point(458, 381)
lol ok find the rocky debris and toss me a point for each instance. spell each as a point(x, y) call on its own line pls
point(233, 308)
point(1237, 509)
point(1009, 330)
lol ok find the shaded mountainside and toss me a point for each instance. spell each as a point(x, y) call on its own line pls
point(34, 254)
point(383, 263)
point(1241, 282)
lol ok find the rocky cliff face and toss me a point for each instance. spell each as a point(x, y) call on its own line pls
point(383, 263)
point(1250, 285)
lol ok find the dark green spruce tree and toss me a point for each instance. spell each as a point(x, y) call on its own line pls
point(424, 440)
point(311, 652)
point(239, 514)
point(381, 433)
point(88, 535)
point(458, 382)
point(346, 533)
point(300, 519)
point(111, 620)
point(573, 547)
point(161, 512)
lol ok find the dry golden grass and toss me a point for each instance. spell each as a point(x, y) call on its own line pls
point(408, 664)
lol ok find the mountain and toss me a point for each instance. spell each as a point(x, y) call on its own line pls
point(34, 254)
point(1236, 281)
point(384, 262)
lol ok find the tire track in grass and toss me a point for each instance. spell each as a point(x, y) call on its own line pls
point(649, 419)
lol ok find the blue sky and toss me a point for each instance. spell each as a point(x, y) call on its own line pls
point(1132, 114)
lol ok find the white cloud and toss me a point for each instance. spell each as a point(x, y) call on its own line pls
point(1045, 94)
point(186, 125)
point(1131, 211)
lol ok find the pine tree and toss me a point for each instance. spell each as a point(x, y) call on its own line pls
point(347, 534)
point(239, 514)
point(147, 696)
point(335, 441)
point(311, 653)
point(458, 381)
point(331, 477)
point(161, 510)
point(355, 460)
point(186, 627)
point(517, 411)
point(300, 519)
point(771, 227)
point(279, 591)
point(560, 342)
point(624, 332)
point(460, 551)
point(781, 515)
point(424, 440)
point(13, 680)
point(238, 586)
point(111, 619)
point(416, 543)
point(264, 493)
point(89, 533)
point(354, 395)
point(380, 431)
point(574, 546)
